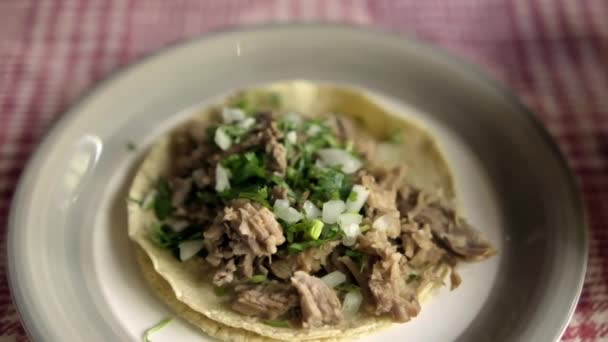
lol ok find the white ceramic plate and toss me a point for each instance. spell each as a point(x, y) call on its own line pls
point(72, 271)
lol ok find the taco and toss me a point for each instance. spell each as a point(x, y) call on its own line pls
point(298, 211)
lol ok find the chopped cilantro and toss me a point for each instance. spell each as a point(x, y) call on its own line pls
point(277, 323)
point(222, 291)
point(254, 193)
point(275, 100)
point(396, 138)
point(162, 202)
point(136, 201)
point(347, 287)
point(258, 278)
point(156, 328)
point(131, 146)
point(165, 237)
point(412, 277)
point(244, 167)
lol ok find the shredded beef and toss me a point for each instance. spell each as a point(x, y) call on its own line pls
point(312, 259)
point(269, 300)
point(281, 269)
point(319, 303)
point(225, 275)
point(390, 291)
point(455, 233)
point(254, 227)
point(380, 200)
point(375, 242)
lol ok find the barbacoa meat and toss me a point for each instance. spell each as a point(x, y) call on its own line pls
point(390, 291)
point(460, 237)
point(269, 300)
point(254, 227)
point(319, 303)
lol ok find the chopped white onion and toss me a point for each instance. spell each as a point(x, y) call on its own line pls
point(177, 225)
point(361, 197)
point(351, 232)
point(188, 249)
point(334, 278)
point(313, 130)
point(311, 210)
point(387, 222)
point(291, 137)
point(352, 303)
point(222, 140)
point(222, 176)
point(286, 213)
point(281, 204)
point(338, 157)
point(247, 123)
point(230, 115)
point(149, 199)
point(331, 210)
point(347, 219)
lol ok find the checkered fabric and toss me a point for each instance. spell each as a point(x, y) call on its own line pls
point(553, 53)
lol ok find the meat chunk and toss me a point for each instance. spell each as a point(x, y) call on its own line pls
point(281, 269)
point(254, 227)
point(268, 301)
point(274, 149)
point(390, 291)
point(375, 242)
point(380, 200)
point(279, 192)
point(455, 233)
point(319, 303)
point(312, 259)
point(225, 275)
point(348, 130)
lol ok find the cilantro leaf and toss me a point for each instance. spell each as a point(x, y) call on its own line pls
point(162, 201)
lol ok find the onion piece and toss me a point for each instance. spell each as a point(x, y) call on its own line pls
point(351, 232)
point(291, 137)
point(247, 123)
point(222, 176)
point(313, 130)
point(222, 139)
point(310, 210)
point(338, 157)
point(347, 219)
point(334, 278)
point(188, 249)
point(230, 115)
point(352, 303)
point(286, 213)
point(331, 210)
point(361, 195)
point(387, 222)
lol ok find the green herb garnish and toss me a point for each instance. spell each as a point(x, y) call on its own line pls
point(276, 323)
point(347, 287)
point(258, 278)
point(156, 328)
point(136, 201)
point(314, 229)
point(412, 277)
point(131, 146)
point(162, 202)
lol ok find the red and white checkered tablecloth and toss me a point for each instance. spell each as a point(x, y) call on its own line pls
point(553, 53)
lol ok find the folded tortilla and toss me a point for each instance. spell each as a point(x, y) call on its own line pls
point(186, 286)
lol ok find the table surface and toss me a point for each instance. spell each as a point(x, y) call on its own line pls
point(552, 53)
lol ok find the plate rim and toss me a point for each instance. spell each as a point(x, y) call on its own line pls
point(46, 141)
